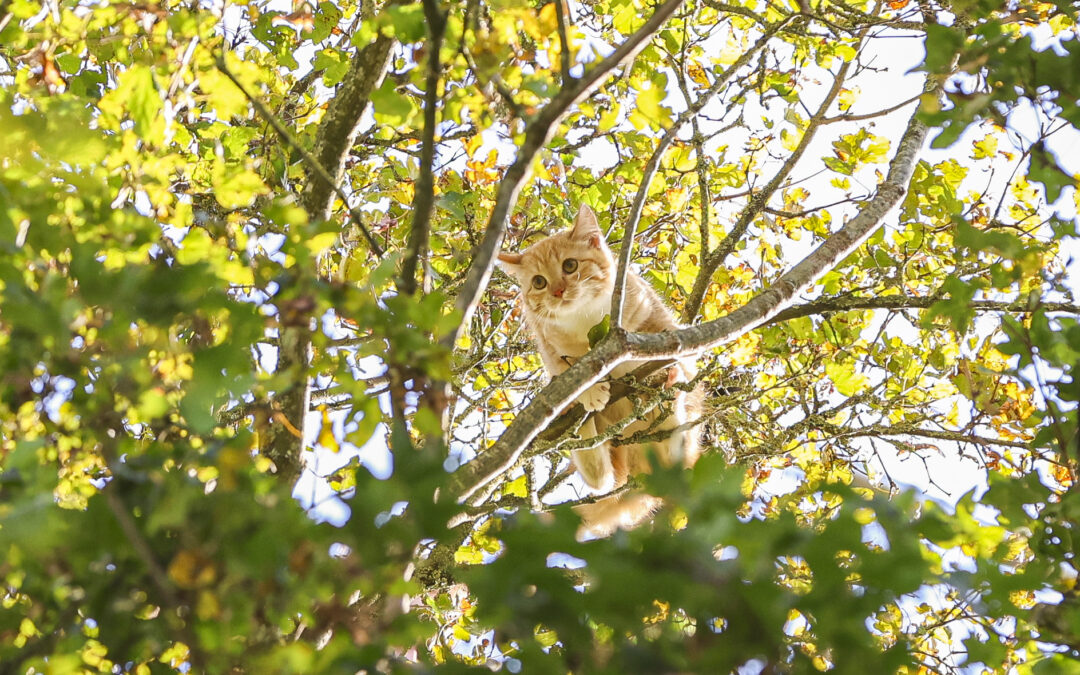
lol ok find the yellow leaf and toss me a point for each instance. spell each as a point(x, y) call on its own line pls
point(731, 52)
point(847, 98)
point(789, 140)
point(322, 241)
point(473, 144)
point(236, 187)
point(554, 53)
point(237, 273)
point(1063, 475)
point(468, 555)
point(194, 248)
point(326, 438)
point(678, 519)
point(175, 655)
point(517, 487)
point(549, 20)
point(744, 351)
point(984, 148)
point(845, 379)
point(610, 117)
point(542, 171)
point(208, 607)
point(697, 74)
point(182, 569)
point(676, 198)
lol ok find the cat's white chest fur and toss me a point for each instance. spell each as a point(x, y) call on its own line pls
point(583, 317)
point(568, 330)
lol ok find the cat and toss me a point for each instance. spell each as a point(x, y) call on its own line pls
point(567, 282)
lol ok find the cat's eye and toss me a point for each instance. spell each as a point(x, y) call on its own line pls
point(569, 265)
point(539, 282)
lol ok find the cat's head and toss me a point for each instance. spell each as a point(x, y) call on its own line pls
point(573, 269)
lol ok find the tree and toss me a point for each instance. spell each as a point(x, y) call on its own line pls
point(242, 244)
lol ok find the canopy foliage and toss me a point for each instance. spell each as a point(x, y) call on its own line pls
point(265, 407)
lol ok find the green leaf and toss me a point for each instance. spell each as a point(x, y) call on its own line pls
point(957, 307)
point(405, 22)
point(650, 110)
point(844, 378)
point(599, 331)
point(137, 95)
point(326, 19)
point(517, 487)
point(1005, 244)
point(236, 186)
point(1045, 169)
point(223, 97)
point(145, 104)
point(391, 107)
point(334, 65)
point(942, 43)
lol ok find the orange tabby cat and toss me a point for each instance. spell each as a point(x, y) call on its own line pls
point(567, 281)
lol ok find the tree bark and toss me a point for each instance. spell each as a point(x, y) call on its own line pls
point(285, 440)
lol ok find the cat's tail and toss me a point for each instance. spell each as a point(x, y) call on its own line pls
point(624, 511)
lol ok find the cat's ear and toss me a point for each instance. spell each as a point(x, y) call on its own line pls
point(510, 263)
point(586, 227)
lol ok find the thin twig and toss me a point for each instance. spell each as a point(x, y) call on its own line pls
point(309, 159)
point(759, 200)
point(866, 116)
point(630, 228)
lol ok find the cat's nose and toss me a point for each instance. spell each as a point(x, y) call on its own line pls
point(557, 292)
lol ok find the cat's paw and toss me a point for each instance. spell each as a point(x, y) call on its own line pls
point(596, 396)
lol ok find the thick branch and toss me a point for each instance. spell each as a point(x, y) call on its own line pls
point(342, 122)
point(425, 183)
point(848, 303)
point(537, 136)
point(564, 42)
point(619, 346)
point(333, 141)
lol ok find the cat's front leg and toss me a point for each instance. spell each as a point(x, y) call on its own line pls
point(594, 464)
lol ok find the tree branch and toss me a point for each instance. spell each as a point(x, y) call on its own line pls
point(758, 201)
point(333, 141)
point(951, 436)
point(564, 42)
point(845, 304)
point(692, 109)
point(312, 163)
point(419, 233)
point(848, 117)
point(339, 127)
point(537, 135)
